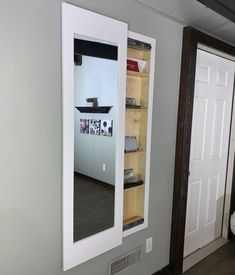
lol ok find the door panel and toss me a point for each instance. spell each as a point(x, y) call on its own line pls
point(193, 203)
point(198, 138)
point(222, 78)
point(209, 148)
point(212, 195)
point(217, 130)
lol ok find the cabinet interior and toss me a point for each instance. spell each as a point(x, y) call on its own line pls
point(137, 87)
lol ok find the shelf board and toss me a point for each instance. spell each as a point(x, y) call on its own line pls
point(142, 109)
point(139, 152)
point(141, 56)
point(133, 184)
point(138, 48)
point(138, 53)
point(94, 110)
point(132, 222)
point(137, 74)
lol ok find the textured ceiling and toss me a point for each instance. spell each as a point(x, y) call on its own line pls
point(224, 7)
point(195, 14)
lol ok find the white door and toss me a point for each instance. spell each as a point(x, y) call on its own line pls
point(209, 149)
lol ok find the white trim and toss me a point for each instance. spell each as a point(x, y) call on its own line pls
point(215, 52)
point(230, 168)
point(90, 24)
point(135, 229)
point(152, 42)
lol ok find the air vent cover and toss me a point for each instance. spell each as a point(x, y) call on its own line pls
point(124, 261)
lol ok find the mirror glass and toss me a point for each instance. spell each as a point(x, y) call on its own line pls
point(95, 105)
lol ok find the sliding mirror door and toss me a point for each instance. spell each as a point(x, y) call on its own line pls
point(94, 56)
point(95, 113)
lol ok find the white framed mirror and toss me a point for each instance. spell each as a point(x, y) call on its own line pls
point(93, 64)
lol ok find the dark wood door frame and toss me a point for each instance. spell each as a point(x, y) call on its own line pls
point(191, 39)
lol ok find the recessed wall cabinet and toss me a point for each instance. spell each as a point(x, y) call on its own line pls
point(107, 110)
point(138, 121)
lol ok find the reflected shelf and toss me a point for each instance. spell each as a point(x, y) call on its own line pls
point(97, 110)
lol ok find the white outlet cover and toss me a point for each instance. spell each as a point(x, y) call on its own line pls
point(149, 245)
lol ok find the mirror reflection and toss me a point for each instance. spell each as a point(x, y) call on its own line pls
point(95, 104)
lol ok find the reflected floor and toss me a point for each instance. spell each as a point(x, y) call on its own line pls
point(93, 206)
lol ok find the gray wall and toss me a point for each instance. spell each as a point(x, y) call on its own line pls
point(30, 137)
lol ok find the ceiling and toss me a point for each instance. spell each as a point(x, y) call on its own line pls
point(223, 7)
point(195, 14)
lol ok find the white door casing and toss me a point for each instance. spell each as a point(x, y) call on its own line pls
point(213, 96)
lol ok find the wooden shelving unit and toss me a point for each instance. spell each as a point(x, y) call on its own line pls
point(137, 124)
point(133, 205)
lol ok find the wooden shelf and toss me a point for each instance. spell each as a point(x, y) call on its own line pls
point(136, 48)
point(132, 222)
point(142, 109)
point(133, 184)
point(137, 74)
point(138, 53)
point(132, 219)
point(139, 152)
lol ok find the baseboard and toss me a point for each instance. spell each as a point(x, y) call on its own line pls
point(164, 271)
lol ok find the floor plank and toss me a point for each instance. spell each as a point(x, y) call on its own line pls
point(221, 262)
point(93, 207)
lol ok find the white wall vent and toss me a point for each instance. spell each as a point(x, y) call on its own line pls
point(124, 261)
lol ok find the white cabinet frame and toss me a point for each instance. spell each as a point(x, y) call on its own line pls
point(100, 28)
point(152, 42)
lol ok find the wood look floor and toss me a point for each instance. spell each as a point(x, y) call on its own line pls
point(93, 207)
point(221, 262)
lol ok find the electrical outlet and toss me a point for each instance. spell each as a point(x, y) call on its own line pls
point(149, 245)
point(104, 167)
